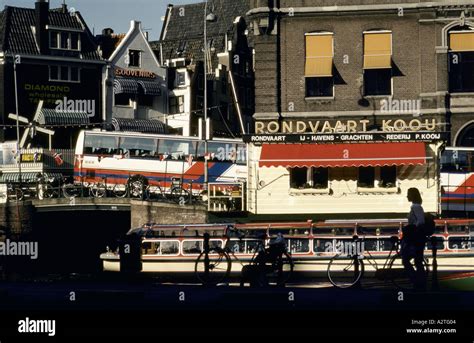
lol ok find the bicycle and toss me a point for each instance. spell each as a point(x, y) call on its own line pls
point(176, 192)
point(214, 266)
point(347, 270)
point(99, 189)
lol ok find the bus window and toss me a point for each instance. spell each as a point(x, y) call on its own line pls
point(176, 149)
point(139, 147)
point(457, 161)
point(101, 145)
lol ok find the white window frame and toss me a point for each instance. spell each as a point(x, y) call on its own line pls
point(60, 79)
point(69, 40)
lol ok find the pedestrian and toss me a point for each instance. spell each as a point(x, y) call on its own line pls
point(414, 240)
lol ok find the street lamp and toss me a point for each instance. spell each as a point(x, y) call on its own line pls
point(16, 60)
point(207, 17)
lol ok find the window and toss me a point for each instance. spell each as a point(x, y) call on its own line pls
point(64, 40)
point(101, 145)
point(134, 58)
point(461, 69)
point(457, 161)
point(388, 177)
point(299, 246)
point(180, 78)
point(138, 147)
point(320, 178)
point(319, 64)
point(319, 86)
point(160, 248)
point(176, 104)
point(123, 99)
point(64, 73)
point(366, 177)
point(299, 178)
point(378, 82)
point(145, 100)
point(302, 178)
point(176, 149)
point(378, 63)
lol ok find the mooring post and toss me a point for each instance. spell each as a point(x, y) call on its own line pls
point(206, 255)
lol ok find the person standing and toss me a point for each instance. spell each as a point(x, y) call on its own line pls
point(414, 240)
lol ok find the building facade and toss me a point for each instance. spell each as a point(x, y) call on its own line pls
point(397, 75)
point(135, 83)
point(230, 76)
point(57, 65)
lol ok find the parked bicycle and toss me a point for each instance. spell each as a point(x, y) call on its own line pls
point(346, 270)
point(275, 264)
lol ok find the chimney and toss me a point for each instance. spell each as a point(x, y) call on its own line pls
point(41, 17)
point(64, 7)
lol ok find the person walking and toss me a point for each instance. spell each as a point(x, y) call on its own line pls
point(414, 240)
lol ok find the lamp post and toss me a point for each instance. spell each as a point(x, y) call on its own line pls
point(15, 61)
point(207, 17)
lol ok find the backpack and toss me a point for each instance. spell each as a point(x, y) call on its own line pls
point(428, 228)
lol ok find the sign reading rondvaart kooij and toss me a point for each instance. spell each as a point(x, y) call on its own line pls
point(347, 137)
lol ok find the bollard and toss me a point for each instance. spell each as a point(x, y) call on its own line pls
point(434, 249)
point(206, 255)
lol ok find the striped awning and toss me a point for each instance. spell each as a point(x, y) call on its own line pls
point(139, 125)
point(125, 86)
point(150, 87)
point(54, 117)
point(27, 177)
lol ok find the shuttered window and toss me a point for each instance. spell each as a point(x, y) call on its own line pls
point(377, 50)
point(319, 55)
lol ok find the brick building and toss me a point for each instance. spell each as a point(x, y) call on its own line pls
point(361, 67)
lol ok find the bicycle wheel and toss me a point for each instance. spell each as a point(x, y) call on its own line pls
point(98, 190)
point(180, 196)
point(398, 275)
point(71, 191)
point(281, 270)
point(219, 267)
point(345, 271)
point(120, 191)
point(15, 194)
point(137, 186)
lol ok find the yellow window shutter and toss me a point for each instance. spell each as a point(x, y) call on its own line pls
point(461, 41)
point(319, 55)
point(377, 50)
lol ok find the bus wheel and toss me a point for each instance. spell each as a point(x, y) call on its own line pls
point(137, 185)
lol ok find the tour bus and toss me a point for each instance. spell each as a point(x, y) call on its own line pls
point(457, 180)
point(118, 158)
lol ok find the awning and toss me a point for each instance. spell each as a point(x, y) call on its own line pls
point(54, 117)
point(139, 125)
point(27, 177)
point(319, 55)
point(377, 50)
point(342, 155)
point(127, 86)
point(461, 41)
point(150, 87)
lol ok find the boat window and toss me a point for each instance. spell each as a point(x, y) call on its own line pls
point(439, 244)
point(378, 230)
point(254, 232)
point(298, 246)
point(460, 229)
point(161, 248)
point(243, 246)
point(460, 243)
point(323, 245)
point(289, 231)
point(192, 247)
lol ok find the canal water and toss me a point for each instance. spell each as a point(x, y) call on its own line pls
point(69, 242)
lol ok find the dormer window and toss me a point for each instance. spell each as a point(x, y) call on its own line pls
point(64, 40)
point(134, 58)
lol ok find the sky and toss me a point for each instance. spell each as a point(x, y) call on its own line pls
point(116, 14)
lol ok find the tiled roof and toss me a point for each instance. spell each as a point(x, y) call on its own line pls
point(186, 26)
point(18, 37)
